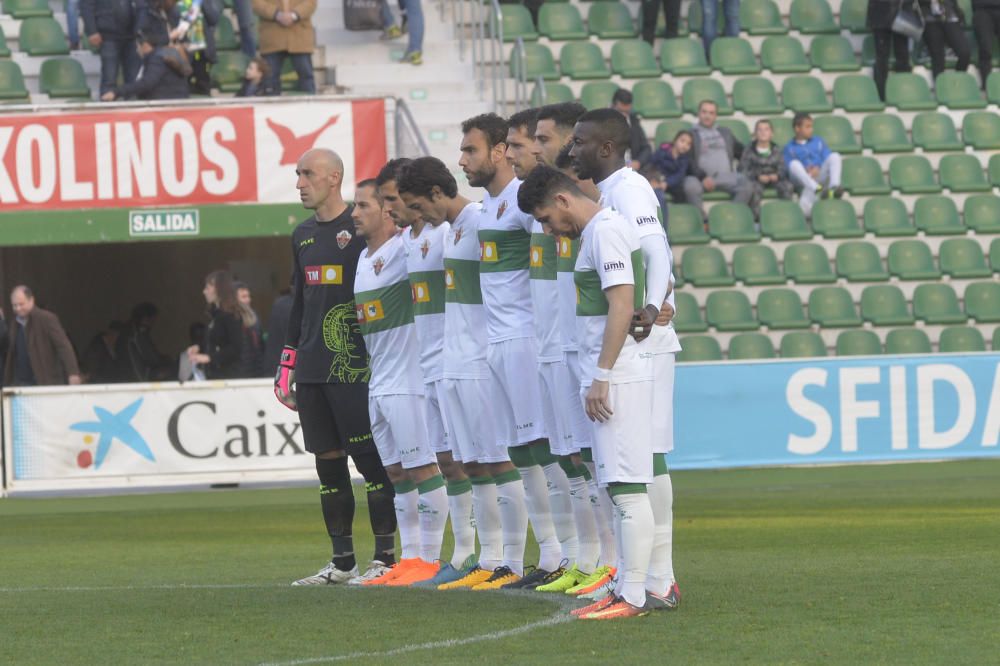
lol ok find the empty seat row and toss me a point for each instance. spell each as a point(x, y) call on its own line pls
point(59, 77)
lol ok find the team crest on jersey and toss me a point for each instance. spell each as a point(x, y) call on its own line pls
point(425, 247)
point(502, 209)
point(343, 238)
point(378, 265)
point(458, 235)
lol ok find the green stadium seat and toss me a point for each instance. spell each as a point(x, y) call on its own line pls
point(682, 56)
point(981, 213)
point(963, 258)
point(859, 261)
point(705, 267)
point(854, 16)
point(668, 129)
point(804, 93)
point(907, 341)
point(756, 95)
point(695, 19)
point(801, 344)
point(41, 36)
point(685, 225)
point(912, 260)
point(937, 304)
point(761, 17)
point(228, 70)
point(885, 305)
point(784, 55)
point(697, 90)
point(610, 20)
point(935, 132)
point(993, 169)
point(583, 60)
point(993, 88)
point(553, 94)
point(937, 216)
point(11, 82)
point(909, 92)
point(833, 53)
point(995, 255)
point(963, 173)
point(750, 346)
point(862, 175)
point(912, 174)
point(23, 9)
point(732, 223)
point(732, 55)
point(838, 134)
point(884, 133)
point(856, 93)
point(634, 59)
point(597, 94)
point(538, 62)
point(756, 264)
point(63, 77)
point(781, 309)
point(981, 130)
point(289, 77)
point(561, 22)
point(858, 343)
point(739, 129)
point(699, 348)
point(996, 339)
point(982, 301)
point(517, 22)
point(730, 311)
point(225, 35)
point(812, 17)
point(784, 221)
point(835, 218)
point(687, 314)
point(783, 132)
point(655, 99)
point(4, 49)
point(885, 216)
point(832, 307)
point(959, 90)
point(961, 339)
point(807, 263)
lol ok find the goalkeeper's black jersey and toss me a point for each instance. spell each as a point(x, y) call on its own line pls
point(323, 325)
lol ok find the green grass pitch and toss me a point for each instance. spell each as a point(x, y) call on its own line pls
point(845, 565)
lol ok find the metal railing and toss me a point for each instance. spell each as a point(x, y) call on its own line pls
point(407, 132)
point(485, 22)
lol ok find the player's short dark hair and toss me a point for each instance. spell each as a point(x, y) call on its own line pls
point(493, 126)
point(563, 114)
point(421, 175)
point(611, 126)
point(800, 118)
point(541, 185)
point(390, 171)
point(367, 182)
point(526, 118)
point(622, 96)
point(563, 160)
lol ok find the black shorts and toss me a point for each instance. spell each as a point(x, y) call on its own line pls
point(334, 417)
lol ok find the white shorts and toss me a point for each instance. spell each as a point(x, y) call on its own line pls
point(399, 430)
point(470, 424)
point(437, 427)
point(662, 340)
point(623, 451)
point(663, 402)
point(556, 388)
point(516, 392)
point(583, 431)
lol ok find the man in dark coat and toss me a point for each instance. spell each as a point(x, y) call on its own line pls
point(639, 149)
point(110, 26)
point(40, 353)
point(165, 71)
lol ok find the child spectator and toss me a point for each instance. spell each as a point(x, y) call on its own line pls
point(256, 79)
point(673, 160)
point(813, 167)
point(764, 166)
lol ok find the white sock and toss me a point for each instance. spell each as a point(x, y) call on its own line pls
point(586, 526)
point(561, 508)
point(408, 523)
point(486, 512)
point(463, 527)
point(661, 566)
point(634, 520)
point(513, 520)
point(536, 496)
point(432, 507)
point(604, 518)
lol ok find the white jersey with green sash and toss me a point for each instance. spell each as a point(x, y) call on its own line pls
point(565, 265)
point(542, 274)
point(425, 264)
point(464, 314)
point(384, 305)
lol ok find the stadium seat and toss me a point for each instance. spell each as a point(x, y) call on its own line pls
point(23, 9)
point(750, 346)
point(634, 59)
point(961, 339)
point(553, 93)
point(885, 216)
point(63, 77)
point(937, 216)
point(761, 17)
point(4, 50)
point(11, 82)
point(885, 305)
point(833, 53)
point(666, 130)
point(838, 134)
point(583, 60)
point(538, 62)
point(42, 36)
point(732, 223)
point(783, 221)
point(858, 343)
point(685, 225)
point(705, 267)
point(730, 311)
point(781, 309)
point(756, 95)
point(912, 174)
point(993, 169)
point(859, 261)
point(807, 263)
point(935, 132)
point(732, 55)
point(687, 314)
point(959, 90)
point(993, 88)
point(228, 70)
point(856, 93)
point(517, 22)
point(655, 99)
point(756, 264)
point(963, 173)
point(963, 258)
point(854, 16)
point(912, 260)
point(981, 130)
point(832, 307)
point(909, 92)
point(995, 255)
point(937, 304)
point(982, 301)
point(812, 17)
point(907, 341)
point(835, 218)
point(597, 94)
point(739, 129)
point(801, 344)
point(981, 213)
point(610, 20)
point(884, 133)
point(804, 93)
point(697, 90)
point(862, 175)
point(561, 22)
point(682, 56)
point(699, 348)
point(783, 132)
point(225, 35)
point(784, 55)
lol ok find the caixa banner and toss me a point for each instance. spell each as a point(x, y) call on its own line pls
point(901, 408)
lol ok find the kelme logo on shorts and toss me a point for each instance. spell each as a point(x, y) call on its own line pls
point(488, 251)
point(614, 266)
point(326, 274)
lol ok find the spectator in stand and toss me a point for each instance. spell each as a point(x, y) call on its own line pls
point(286, 30)
point(252, 357)
point(655, 180)
point(40, 353)
point(639, 149)
point(674, 162)
point(186, 370)
point(277, 326)
point(142, 361)
point(710, 18)
point(110, 26)
point(671, 18)
point(165, 71)
point(812, 166)
point(413, 23)
point(881, 14)
point(986, 27)
point(244, 19)
point(195, 30)
point(4, 346)
point(257, 80)
point(72, 8)
point(221, 354)
point(714, 153)
point(100, 361)
point(944, 24)
point(764, 166)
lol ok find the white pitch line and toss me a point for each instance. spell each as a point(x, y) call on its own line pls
point(124, 588)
